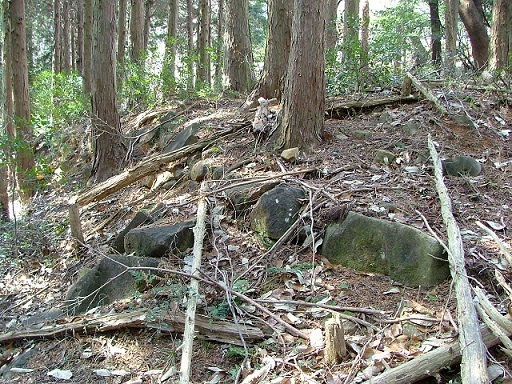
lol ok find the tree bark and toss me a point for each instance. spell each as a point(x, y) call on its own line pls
point(218, 45)
point(471, 14)
point(364, 78)
point(136, 30)
point(450, 25)
point(57, 55)
point(238, 60)
point(351, 28)
point(65, 37)
point(121, 42)
point(147, 21)
point(501, 34)
point(435, 28)
point(169, 65)
point(88, 27)
point(203, 42)
point(24, 156)
point(79, 20)
point(303, 108)
point(331, 28)
point(190, 45)
point(108, 149)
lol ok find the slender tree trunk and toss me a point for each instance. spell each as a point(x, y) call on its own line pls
point(24, 156)
point(121, 42)
point(364, 79)
point(471, 14)
point(351, 29)
point(137, 30)
point(79, 19)
point(108, 149)
point(57, 55)
point(501, 34)
point(277, 51)
point(30, 44)
point(65, 37)
point(218, 45)
point(203, 64)
point(169, 66)
point(435, 28)
point(331, 28)
point(147, 21)
point(88, 40)
point(450, 26)
point(302, 121)
point(238, 60)
point(190, 45)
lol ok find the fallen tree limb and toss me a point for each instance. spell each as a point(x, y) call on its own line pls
point(425, 92)
point(425, 366)
point(344, 108)
point(208, 329)
point(474, 361)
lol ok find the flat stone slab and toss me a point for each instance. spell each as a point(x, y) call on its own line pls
point(401, 252)
point(160, 240)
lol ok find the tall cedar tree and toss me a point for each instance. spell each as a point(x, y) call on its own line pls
point(121, 42)
point(57, 31)
point(501, 34)
point(169, 65)
point(88, 45)
point(450, 26)
point(435, 29)
point(302, 120)
point(137, 30)
point(109, 151)
point(24, 155)
point(472, 16)
point(203, 42)
point(238, 59)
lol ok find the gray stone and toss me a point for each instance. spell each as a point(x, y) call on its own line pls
point(384, 157)
point(200, 170)
point(361, 134)
point(461, 165)
point(183, 138)
point(95, 287)
point(245, 196)
point(373, 245)
point(139, 219)
point(276, 210)
point(290, 154)
point(157, 241)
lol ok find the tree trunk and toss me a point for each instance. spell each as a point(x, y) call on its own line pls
point(108, 149)
point(277, 50)
point(147, 21)
point(501, 34)
point(238, 60)
point(65, 37)
point(121, 42)
point(79, 19)
point(24, 156)
point(435, 28)
point(203, 64)
point(351, 29)
point(88, 27)
point(8, 126)
point(364, 78)
point(169, 65)
point(57, 55)
point(331, 27)
point(190, 45)
point(218, 45)
point(136, 30)
point(450, 25)
point(303, 109)
point(471, 14)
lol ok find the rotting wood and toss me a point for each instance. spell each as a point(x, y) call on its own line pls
point(474, 360)
point(505, 252)
point(335, 347)
point(428, 364)
point(193, 291)
point(425, 92)
point(337, 108)
point(168, 322)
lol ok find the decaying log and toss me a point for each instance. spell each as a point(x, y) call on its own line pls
point(208, 329)
point(335, 347)
point(339, 109)
point(425, 92)
point(193, 291)
point(426, 365)
point(474, 361)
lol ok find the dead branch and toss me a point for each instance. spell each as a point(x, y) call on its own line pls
point(474, 361)
point(497, 240)
point(428, 95)
point(169, 322)
point(344, 108)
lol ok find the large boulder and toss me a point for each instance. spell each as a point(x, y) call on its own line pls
point(276, 210)
point(159, 240)
point(185, 137)
point(105, 283)
point(461, 166)
point(244, 196)
point(140, 218)
point(374, 245)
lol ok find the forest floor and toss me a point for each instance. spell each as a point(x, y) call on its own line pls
point(38, 261)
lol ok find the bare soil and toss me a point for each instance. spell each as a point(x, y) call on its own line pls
point(39, 262)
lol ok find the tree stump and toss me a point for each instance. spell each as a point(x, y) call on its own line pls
point(335, 347)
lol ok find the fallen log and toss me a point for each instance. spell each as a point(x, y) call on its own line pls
point(207, 329)
point(343, 108)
